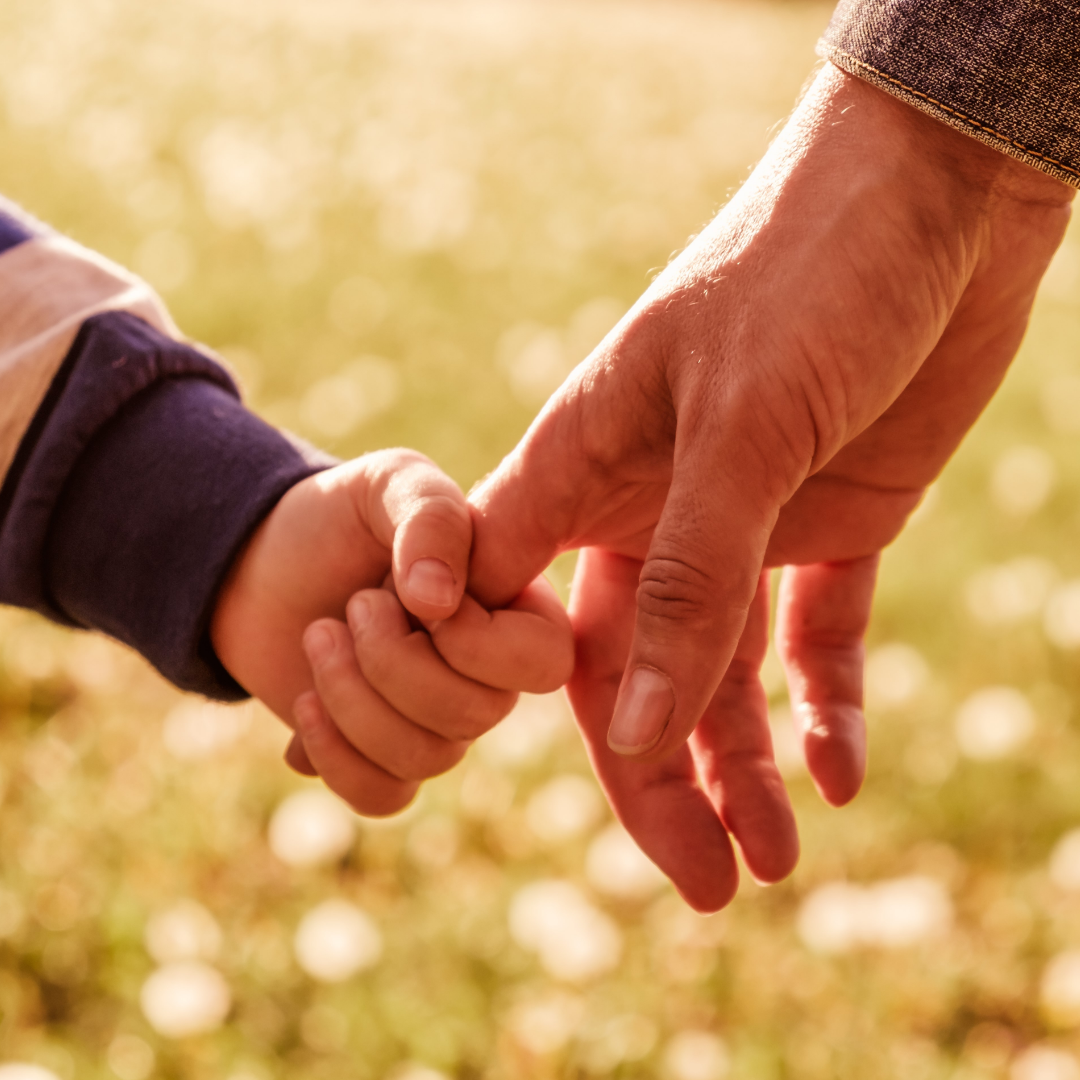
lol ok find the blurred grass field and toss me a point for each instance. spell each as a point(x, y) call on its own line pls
point(404, 223)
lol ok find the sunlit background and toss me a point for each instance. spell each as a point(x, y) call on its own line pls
point(404, 223)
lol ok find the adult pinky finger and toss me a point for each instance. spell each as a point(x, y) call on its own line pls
point(369, 790)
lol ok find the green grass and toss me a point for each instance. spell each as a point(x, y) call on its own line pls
point(403, 223)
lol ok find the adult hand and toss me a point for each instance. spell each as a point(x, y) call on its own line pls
point(782, 394)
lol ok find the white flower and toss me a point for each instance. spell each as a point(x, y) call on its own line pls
point(310, 828)
point(994, 722)
point(130, 1057)
point(185, 931)
point(1065, 862)
point(485, 794)
point(1022, 480)
point(18, 1070)
point(563, 808)
point(905, 911)
point(616, 866)
point(1061, 396)
point(890, 914)
point(433, 841)
point(185, 998)
point(574, 940)
point(696, 1055)
point(629, 1037)
point(340, 403)
point(534, 360)
point(1044, 1063)
point(198, 729)
point(830, 919)
point(12, 912)
point(547, 1023)
point(335, 940)
point(894, 675)
point(1061, 620)
point(1015, 590)
point(1060, 987)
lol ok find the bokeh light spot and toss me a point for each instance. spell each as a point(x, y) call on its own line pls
point(616, 866)
point(335, 941)
point(696, 1055)
point(994, 722)
point(185, 998)
point(311, 828)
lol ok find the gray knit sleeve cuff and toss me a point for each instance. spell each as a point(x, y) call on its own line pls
point(1006, 72)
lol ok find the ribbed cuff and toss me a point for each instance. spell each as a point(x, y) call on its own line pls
point(1006, 72)
point(141, 477)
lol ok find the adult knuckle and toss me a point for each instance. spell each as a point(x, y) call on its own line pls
point(675, 590)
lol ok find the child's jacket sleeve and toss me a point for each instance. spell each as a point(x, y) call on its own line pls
point(1006, 72)
point(130, 473)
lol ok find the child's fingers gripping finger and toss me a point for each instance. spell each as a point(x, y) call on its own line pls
point(402, 666)
point(422, 515)
point(368, 723)
point(526, 646)
point(368, 789)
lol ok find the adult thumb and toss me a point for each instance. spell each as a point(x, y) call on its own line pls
point(696, 586)
point(526, 511)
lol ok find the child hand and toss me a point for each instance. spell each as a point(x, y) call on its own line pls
point(342, 531)
point(394, 705)
point(336, 532)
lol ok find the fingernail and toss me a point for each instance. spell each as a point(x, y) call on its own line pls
point(430, 581)
point(318, 644)
point(358, 614)
point(642, 712)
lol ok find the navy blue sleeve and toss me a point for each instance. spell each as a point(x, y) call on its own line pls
point(136, 485)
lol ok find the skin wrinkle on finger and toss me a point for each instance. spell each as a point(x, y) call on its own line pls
point(689, 617)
